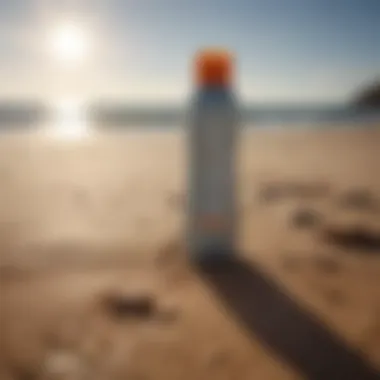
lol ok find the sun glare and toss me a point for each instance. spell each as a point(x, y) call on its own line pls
point(69, 44)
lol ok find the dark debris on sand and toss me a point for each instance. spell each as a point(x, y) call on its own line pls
point(20, 373)
point(359, 200)
point(353, 238)
point(121, 306)
point(279, 190)
point(305, 218)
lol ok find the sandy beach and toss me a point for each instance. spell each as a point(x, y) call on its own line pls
point(84, 220)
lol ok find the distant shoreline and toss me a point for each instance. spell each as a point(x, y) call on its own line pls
point(270, 117)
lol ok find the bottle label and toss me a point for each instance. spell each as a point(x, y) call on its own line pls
point(212, 179)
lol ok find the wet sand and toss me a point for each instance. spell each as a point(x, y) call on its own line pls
point(83, 220)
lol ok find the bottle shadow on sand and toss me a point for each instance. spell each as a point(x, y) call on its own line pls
point(266, 312)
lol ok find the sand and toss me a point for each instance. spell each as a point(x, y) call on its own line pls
point(82, 219)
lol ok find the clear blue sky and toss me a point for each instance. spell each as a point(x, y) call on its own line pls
point(287, 50)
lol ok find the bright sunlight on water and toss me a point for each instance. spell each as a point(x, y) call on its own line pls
point(69, 120)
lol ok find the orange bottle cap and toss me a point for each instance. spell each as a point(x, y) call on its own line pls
point(214, 67)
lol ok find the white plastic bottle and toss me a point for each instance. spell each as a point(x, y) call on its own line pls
point(213, 127)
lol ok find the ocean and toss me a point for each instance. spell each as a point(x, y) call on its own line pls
point(268, 116)
point(29, 116)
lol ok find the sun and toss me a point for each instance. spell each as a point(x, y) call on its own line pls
point(69, 44)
